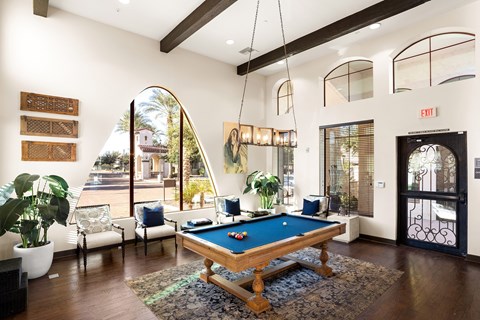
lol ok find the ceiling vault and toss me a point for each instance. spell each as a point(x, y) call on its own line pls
point(40, 7)
point(375, 13)
point(199, 17)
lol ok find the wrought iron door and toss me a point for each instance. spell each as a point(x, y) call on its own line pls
point(432, 184)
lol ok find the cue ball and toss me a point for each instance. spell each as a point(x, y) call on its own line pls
point(284, 223)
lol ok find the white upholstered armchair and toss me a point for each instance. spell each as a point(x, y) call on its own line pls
point(151, 224)
point(95, 230)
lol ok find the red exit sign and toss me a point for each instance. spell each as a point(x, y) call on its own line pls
point(428, 112)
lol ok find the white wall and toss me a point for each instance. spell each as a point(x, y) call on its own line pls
point(105, 68)
point(394, 115)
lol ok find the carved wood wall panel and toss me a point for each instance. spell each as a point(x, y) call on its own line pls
point(51, 104)
point(48, 151)
point(35, 126)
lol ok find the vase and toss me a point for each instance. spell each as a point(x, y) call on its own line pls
point(37, 260)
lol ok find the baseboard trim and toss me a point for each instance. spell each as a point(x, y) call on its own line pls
point(378, 239)
point(472, 258)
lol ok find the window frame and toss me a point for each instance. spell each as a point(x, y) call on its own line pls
point(429, 52)
point(348, 78)
point(323, 159)
point(182, 117)
point(288, 96)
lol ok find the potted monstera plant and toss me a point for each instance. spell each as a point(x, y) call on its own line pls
point(266, 185)
point(39, 202)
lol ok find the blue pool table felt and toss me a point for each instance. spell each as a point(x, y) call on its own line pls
point(260, 231)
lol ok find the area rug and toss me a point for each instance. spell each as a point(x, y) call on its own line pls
point(178, 293)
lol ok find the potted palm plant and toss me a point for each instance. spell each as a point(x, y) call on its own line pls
point(38, 204)
point(266, 185)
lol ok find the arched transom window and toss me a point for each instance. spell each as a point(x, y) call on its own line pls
point(349, 82)
point(435, 60)
point(284, 98)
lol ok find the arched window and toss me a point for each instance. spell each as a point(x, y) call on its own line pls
point(438, 59)
point(284, 98)
point(166, 162)
point(349, 82)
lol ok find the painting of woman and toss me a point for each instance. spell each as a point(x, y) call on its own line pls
point(234, 153)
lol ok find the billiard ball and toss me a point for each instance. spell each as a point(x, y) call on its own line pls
point(244, 233)
point(285, 223)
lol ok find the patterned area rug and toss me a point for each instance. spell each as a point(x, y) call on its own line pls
point(178, 293)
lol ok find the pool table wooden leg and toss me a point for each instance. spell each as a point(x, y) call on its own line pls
point(324, 270)
point(258, 303)
point(208, 270)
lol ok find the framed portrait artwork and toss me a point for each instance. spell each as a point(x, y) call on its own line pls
point(235, 155)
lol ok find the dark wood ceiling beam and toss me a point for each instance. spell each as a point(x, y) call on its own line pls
point(356, 21)
point(203, 14)
point(40, 7)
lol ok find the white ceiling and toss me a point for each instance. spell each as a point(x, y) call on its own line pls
point(156, 18)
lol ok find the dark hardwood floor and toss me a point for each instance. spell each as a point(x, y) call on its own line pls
point(434, 285)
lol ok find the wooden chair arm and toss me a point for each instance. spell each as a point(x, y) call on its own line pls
point(226, 214)
point(171, 221)
point(139, 223)
point(117, 226)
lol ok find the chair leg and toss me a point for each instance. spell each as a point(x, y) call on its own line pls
point(123, 251)
point(136, 239)
point(145, 246)
point(84, 250)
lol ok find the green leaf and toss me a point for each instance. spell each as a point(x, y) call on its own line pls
point(24, 182)
point(10, 212)
point(63, 210)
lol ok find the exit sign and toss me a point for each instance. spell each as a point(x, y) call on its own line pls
point(428, 113)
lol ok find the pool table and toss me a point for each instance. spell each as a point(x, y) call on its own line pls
point(268, 238)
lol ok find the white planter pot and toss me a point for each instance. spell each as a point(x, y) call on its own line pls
point(36, 261)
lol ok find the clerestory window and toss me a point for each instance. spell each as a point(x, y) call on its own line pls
point(438, 59)
point(349, 82)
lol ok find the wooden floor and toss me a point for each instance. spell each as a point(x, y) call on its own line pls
point(434, 286)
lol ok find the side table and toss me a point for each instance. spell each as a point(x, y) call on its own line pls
point(352, 230)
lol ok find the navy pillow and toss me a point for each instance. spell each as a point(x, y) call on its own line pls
point(153, 217)
point(232, 207)
point(310, 207)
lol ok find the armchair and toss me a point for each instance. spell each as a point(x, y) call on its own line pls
point(151, 225)
point(228, 207)
point(95, 230)
point(315, 205)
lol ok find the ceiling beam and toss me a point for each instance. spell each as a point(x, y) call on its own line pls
point(375, 13)
point(203, 14)
point(40, 7)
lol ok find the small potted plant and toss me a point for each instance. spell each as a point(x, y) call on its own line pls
point(39, 203)
point(266, 185)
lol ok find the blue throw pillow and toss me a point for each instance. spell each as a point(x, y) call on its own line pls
point(232, 207)
point(310, 207)
point(153, 217)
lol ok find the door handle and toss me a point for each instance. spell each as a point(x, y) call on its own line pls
point(462, 197)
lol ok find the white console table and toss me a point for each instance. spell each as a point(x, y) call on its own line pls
point(352, 231)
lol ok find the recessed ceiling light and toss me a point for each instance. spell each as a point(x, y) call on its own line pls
point(230, 42)
point(281, 62)
point(124, 1)
point(375, 26)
